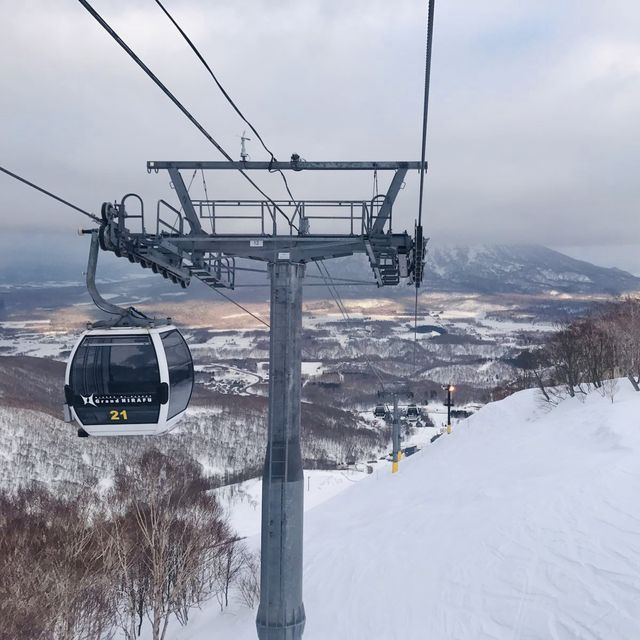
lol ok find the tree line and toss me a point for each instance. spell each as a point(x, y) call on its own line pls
point(146, 550)
point(589, 352)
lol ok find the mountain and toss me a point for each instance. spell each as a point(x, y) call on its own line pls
point(524, 269)
point(524, 523)
point(497, 269)
point(55, 279)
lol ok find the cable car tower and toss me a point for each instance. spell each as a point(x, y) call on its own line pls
point(281, 234)
point(396, 437)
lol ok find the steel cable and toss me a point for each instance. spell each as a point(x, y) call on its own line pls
point(51, 195)
point(224, 92)
point(425, 114)
point(103, 23)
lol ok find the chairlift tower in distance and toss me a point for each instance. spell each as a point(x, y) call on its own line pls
point(396, 444)
point(281, 234)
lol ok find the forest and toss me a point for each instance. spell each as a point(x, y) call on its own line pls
point(593, 351)
point(88, 564)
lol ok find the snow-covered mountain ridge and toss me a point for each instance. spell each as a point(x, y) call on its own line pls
point(520, 269)
point(524, 523)
point(481, 269)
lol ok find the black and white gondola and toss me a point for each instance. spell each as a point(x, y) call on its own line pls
point(413, 413)
point(380, 411)
point(129, 380)
point(131, 375)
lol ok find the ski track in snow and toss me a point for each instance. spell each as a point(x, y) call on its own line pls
point(524, 524)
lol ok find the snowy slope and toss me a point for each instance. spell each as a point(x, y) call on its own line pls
point(523, 524)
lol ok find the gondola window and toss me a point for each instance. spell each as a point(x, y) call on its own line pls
point(180, 371)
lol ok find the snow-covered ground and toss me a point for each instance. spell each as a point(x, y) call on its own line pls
point(38, 344)
point(522, 524)
point(244, 500)
point(472, 342)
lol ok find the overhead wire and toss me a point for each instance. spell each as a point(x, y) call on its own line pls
point(206, 197)
point(96, 219)
point(335, 280)
point(229, 99)
point(327, 278)
point(253, 315)
point(105, 25)
point(330, 287)
point(51, 195)
point(237, 110)
point(333, 291)
point(423, 154)
point(345, 314)
point(307, 284)
point(193, 120)
point(425, 110)
point(346, 281)
point(337, 298)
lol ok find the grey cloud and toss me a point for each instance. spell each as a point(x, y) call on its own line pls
point(534, 129)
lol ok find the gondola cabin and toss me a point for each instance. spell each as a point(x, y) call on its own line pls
point(412, 413)
point(380, 411)
point(128, 381)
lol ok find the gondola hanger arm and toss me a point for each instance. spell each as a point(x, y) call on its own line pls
point(128, 316)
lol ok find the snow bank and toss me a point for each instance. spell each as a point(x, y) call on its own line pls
point(523, 524)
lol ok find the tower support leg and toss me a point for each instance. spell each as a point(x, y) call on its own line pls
point(281, 613)
point(395, 436)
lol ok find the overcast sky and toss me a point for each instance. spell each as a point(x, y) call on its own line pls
point(534, 132)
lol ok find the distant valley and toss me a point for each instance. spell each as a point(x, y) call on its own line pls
point(480, 308)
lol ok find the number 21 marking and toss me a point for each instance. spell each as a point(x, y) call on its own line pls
point(118, 415)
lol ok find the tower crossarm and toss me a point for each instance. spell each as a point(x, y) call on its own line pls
point(181, 248)
point(293, 165)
